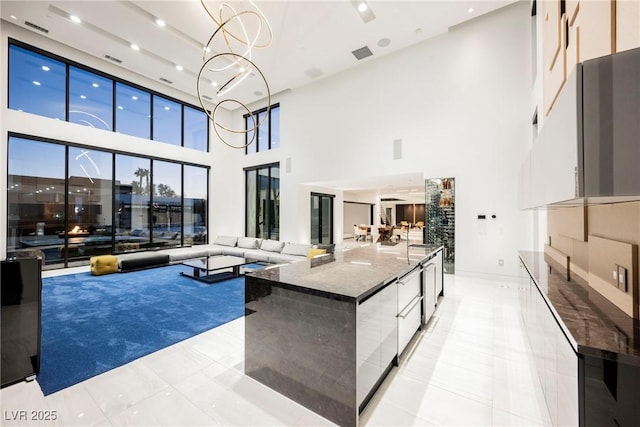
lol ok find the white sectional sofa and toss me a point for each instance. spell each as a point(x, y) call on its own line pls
point(263, 250)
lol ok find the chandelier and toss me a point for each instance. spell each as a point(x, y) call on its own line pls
point(228, 61)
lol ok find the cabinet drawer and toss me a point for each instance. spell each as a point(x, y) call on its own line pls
point(408, 323)
point(408, 289)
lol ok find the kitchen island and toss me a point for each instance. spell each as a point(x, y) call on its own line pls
point(326, 331)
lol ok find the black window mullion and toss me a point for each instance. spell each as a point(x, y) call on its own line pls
point(150, 223)
point(114, 207)
point(66, 200)
point(182, 210)
point(66, 96)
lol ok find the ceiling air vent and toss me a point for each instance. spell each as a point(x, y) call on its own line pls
point(390, 199)
point(111, 58)
point(162, 79)
point(36, 27)
point(362, 53)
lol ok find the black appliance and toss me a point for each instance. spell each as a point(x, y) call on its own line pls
point(21, 288)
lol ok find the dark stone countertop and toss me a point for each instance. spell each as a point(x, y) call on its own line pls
point(593, 325)
point(349, 275)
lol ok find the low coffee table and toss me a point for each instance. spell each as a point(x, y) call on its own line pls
point(204, 269)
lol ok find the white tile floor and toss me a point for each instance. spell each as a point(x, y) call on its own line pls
point(471, 367)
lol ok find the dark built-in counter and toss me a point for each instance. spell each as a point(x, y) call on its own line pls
point(325, 332)
point(586, 349)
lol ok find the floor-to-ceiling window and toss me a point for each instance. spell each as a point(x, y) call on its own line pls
point(195, 204)
point(63, 200)
point(132, 191)
point(89, 206)
point(262, 207)
point(166, 206)
point(321, 218)
point(36, 197)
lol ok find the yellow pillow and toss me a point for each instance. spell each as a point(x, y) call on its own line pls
point(315, 252)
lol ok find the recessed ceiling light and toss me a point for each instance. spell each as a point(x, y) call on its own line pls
point(119, 107)
point(363, 9)
point(135, 98)
point(45, 68)
point(95, 85)
point(384, 42)
point(135, 46)
point(160, 22)
point(75, 19)
point(83, 97)
point(167, 108)
point(207, 49)
point(13, 17)
point(179, 67)
point(470, 10)
point(214, 83)
point(37, 83)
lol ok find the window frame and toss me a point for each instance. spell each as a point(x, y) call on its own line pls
point(70, 63)
point(256, 131)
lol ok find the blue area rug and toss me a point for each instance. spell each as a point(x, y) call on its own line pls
point(91, 324)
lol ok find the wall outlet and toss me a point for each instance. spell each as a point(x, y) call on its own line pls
point(501, 263)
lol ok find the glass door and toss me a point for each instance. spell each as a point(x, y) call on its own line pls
point(321, 218)
point(440, 216)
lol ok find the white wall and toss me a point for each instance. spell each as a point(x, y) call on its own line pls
point(460, 103)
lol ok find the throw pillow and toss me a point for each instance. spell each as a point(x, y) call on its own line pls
point(315, 252)
point(248, 243)
point(272, 245)
point(226, 240)
point(296, 249)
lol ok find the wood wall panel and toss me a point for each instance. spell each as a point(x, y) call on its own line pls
point(627, 24)
point(596, 29)
point(604, 256)
point(556, 74)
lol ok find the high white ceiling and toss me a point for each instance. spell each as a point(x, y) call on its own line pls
point(311, 39)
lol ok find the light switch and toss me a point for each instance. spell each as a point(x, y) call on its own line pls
point(622, 278)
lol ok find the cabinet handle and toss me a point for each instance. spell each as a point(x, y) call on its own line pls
point(430, 266)
point(404, 313)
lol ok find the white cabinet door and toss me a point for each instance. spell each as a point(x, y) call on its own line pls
point(409, 313)
point(430, 283)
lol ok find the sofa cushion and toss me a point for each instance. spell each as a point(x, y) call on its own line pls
point(226, 240)
point(277, 258)
point(295, 249)
point(248, 242)
point(140, 260)
point(180, 254)
point(227, 250)
point(214, 250)
point(257, 255)
point(272, 245)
